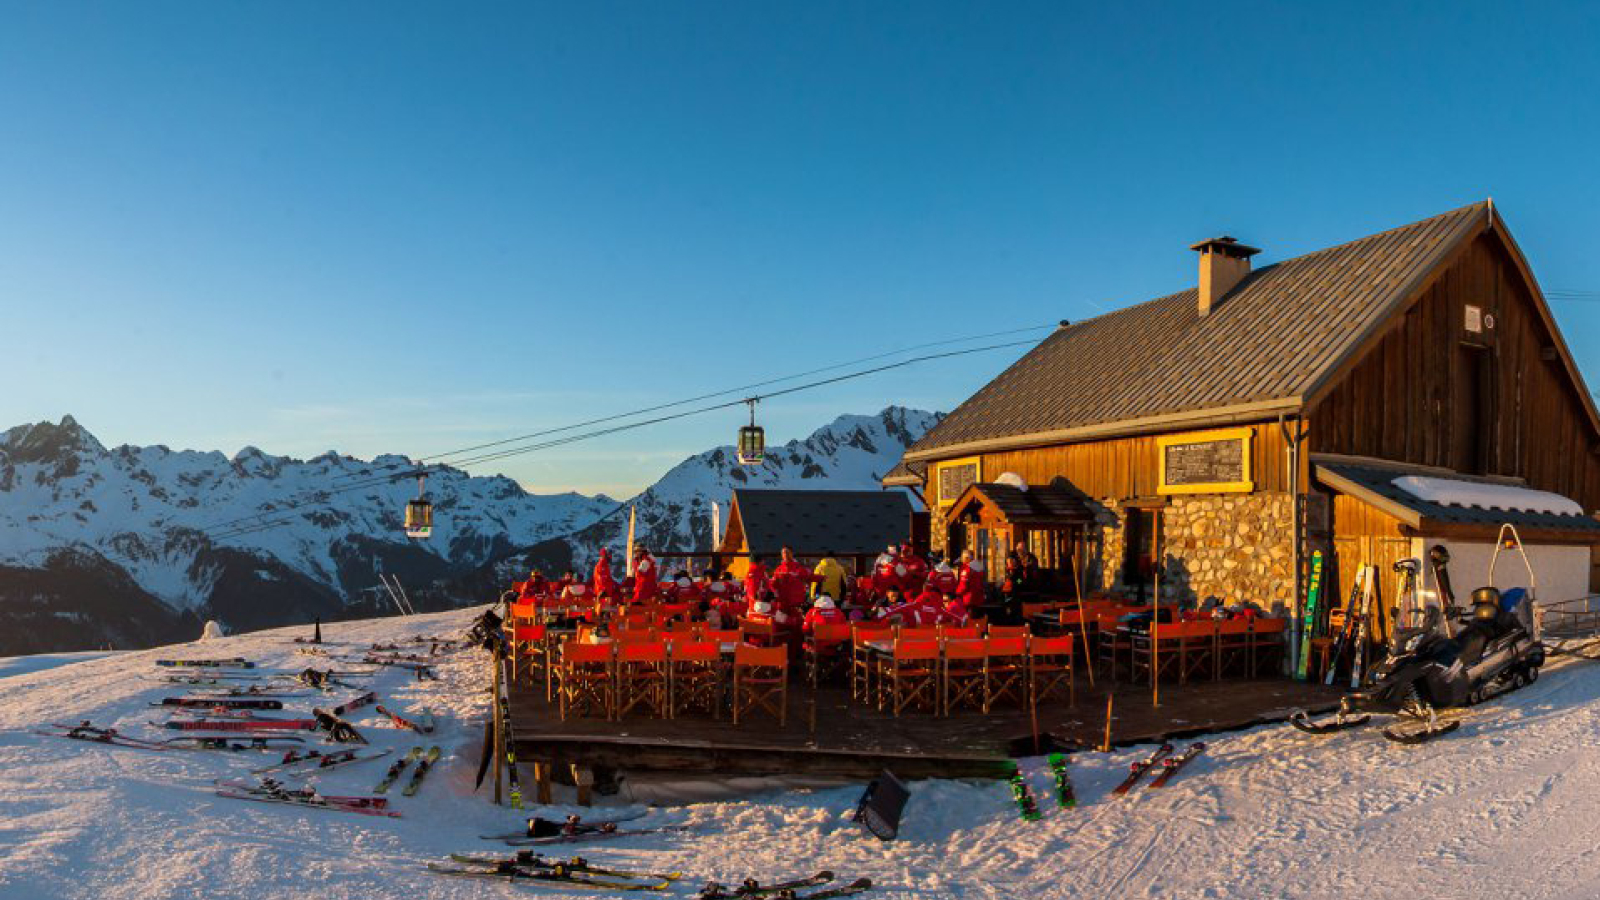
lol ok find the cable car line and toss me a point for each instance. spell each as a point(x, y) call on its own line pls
point(518, 451)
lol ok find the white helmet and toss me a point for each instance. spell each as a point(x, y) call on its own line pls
point(943, 568)
point(824, 602)
point(762, 607)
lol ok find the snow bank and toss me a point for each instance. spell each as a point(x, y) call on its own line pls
point(1502, 808)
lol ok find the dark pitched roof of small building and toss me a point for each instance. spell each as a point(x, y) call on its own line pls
point(816, 521)
point(1271, 341)
point(1040, 505)
point(1373, 483)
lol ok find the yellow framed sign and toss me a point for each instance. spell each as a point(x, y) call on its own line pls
point(953, 476)
point(1205, 462)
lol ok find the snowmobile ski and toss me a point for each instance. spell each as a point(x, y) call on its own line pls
point(395, 768)
point(1136, 770)
point(531, 860)
point(423, 768)
point(859, 886)
point(753, 888)
point(1171, 765)
point(423, 725)
point(316, 760)
point(555, 877)
point(270, 791)
point(1065, 795)
point(1419, 735)
point(1301, 720)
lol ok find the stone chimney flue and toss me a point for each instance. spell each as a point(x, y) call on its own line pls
point(1224, 262)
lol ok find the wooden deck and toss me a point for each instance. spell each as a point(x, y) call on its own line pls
point(826, 734)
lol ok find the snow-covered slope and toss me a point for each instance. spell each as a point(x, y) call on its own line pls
point(849, 453)
point(1502, 808)
point(167, 531)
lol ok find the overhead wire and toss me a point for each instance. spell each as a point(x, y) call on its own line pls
point(263, 521)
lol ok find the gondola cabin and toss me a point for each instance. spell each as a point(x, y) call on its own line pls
point(419, 518)
point(1368, 400)
point(752, 447)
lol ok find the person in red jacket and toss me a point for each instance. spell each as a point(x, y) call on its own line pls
point(955, 609)
point(646, 580)
point(823, 612)
point(535, 588)
point(943, 579)
point(885, 571)
point(972, 585)
point(925, 610)
point(790, 582)
point(756, 582)
point(683, 590)
point(915, 570)
point(605, 586)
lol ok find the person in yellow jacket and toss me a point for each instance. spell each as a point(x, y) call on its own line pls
point(832, 579)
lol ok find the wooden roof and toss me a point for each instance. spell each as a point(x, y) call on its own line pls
point(813, 522)
point(1273, 341)
point(1372, 482)
point(1044, 505)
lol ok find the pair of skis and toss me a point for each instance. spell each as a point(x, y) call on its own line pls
point(235, 662)
point(318, 761)
point(422, 725)
point(424, 765)
point(785, 890)
point(576, 872)
point(1162, 759)
point(271, 791)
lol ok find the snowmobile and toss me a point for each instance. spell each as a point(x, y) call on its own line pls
point(1490, 650)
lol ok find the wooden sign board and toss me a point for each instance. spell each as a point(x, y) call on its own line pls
point(1205, 462)
point(954, 477)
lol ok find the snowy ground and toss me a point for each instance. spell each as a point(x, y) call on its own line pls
point(1505, 807)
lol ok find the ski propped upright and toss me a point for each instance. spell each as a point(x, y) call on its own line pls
point(1022, 796)
point(1065, 795)
point(1304, 629)
point(1137, 769)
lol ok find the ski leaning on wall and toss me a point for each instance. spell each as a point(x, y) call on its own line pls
point(1306, 625)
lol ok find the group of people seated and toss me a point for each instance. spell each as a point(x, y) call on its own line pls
point(904, 588)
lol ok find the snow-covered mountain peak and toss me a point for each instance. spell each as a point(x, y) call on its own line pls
point(50, 442)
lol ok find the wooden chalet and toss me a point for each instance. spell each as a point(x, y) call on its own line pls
point(1214, 438)
point(854, 526)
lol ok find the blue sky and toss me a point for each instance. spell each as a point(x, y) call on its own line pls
point(409, 228)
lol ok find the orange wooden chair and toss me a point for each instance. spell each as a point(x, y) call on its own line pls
point(696, 675)
point(1050, 667)
point(1266, 644)
point(962, 684)
point(760, 634)
point(530, 653)
point(910, 676)
point(722, 635)
point(1005, 670)
point(960, 632)
point(824, 650)
point(637, 636)
point(917, 632)
point(642, 678)
point(1008, 631)
point(863, 657)
point(1233, 648)
point(587, 680)
point(761, 681)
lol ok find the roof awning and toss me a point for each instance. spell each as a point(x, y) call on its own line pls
point(905, 474)
point(1429, 502)
point(1046, 506)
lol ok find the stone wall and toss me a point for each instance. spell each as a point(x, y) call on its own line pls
point(1235, 547)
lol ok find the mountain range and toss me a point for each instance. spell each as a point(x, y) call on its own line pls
point(134, 546)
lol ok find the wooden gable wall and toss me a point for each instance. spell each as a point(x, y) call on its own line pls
point(1409, 397)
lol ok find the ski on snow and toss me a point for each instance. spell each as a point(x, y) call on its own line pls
point(316, 760)
point(1171, 765)
point(592, 835)
point(395, 768)
point(530, 859)
point(1136, 770)
point(270, 791)
point(421, 772)
point(1021, 795)
point(559, 876)
point(753, 888)
point(423, 725)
